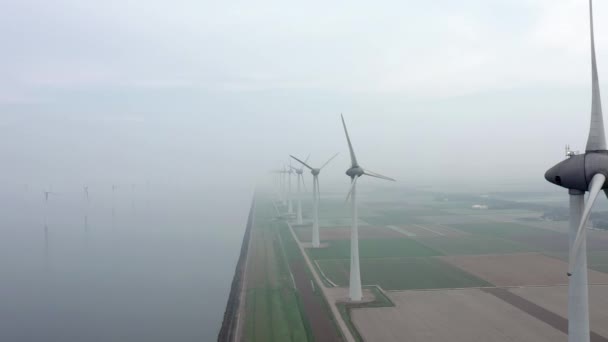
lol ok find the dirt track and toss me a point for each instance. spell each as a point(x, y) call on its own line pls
point(320, 320)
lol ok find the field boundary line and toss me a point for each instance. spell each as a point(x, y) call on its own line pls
point(323, 273)
point(429, 229)
point(400, 230)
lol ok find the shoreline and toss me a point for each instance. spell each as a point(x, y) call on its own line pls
point(231, 322)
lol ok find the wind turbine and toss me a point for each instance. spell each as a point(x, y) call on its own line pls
point(46, 226)
point(315, 198)
point(46, 205)
point(114, 187)
point(280, 184)
point(86, 209)
point(289, 202)
point(133, 197)
point(355, 172)
point(300, 179)
point(580, 173)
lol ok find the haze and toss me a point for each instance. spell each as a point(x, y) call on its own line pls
point(201, 99)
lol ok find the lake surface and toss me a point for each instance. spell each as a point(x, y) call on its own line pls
point(159, 269)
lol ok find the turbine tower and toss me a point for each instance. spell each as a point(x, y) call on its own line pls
point(282, 186)
point(315, 199)
point(300, 179)
point(46, 205)
point(86, 208)
point(355, 172)
point(580, 173)
point(289, 202)
point(46, 226)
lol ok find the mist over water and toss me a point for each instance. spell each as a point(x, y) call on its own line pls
point(160, 270)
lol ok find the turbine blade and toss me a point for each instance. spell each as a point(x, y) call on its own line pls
point(597, 137)
point(330, 159)
point(353, 158)
point(301, 162)
point(354, 182)
point(595, 186)
point(377, 175)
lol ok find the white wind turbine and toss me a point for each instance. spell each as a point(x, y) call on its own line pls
point(580, 173)
point(355, 172)
point(289, 202)
point(46, 227)
point(300, 180)
point(315, 198)
point(86, 208)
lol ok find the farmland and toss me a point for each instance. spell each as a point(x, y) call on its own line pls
point(441, 270)
point(373, 248)
point(403, 273)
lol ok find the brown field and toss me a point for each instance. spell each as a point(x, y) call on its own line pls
point(555, 299)
point(518, 269)
point(549, 317)
point(450, 315)
point(321, 324)
point(343, 233)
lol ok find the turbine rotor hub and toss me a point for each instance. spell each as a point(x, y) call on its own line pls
point(355, 172)
point(576, 171)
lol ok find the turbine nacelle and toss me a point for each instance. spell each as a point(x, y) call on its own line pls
point(315, 172)
point(577, 171)
point(355, 172)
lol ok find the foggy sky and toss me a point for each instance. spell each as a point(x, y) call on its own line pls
point(211, 92)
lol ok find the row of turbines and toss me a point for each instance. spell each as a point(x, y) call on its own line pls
point(48, 193)
point(578, 173)
point(354, 172)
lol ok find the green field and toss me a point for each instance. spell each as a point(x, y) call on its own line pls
point(373, 248)
point(402, 273)
point(474, 244)
point(273, 311)
point(273, 315)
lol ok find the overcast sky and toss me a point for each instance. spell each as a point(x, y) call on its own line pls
point(212, 91)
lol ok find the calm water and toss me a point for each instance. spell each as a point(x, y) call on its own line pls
point(160, 270)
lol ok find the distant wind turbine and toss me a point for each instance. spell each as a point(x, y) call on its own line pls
point(316, 195)
point(86, 208)
point(114, 187)
point(133, 197)
point(355, 172)
point(46, 226)
point(46, 204)
point(289, 202)
point(300, 179)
